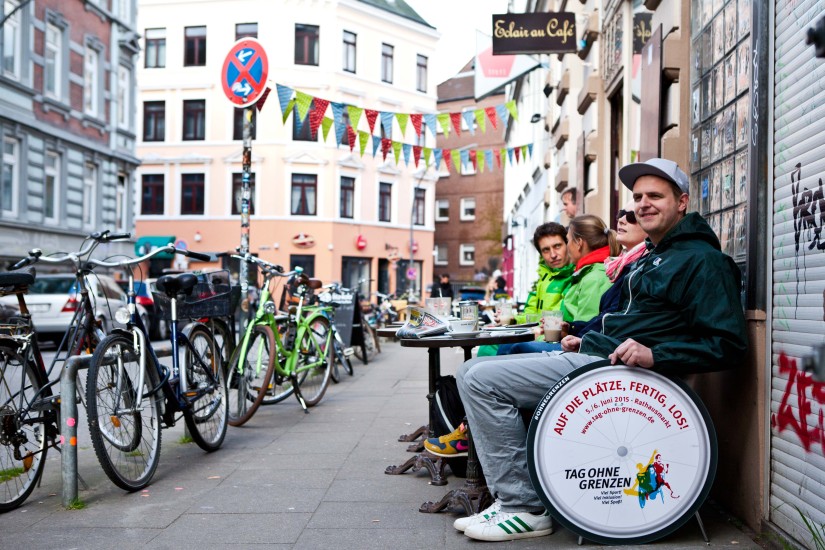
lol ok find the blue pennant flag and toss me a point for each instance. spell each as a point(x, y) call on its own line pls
point(284, 95)
point(338, 119)
point(510, 154)
point(530, 149)
point(432, 124)
point(376, 143)
point(465, 157)
point(470, 120)
point(488, 159)
point(437, 156)
point(386, 123)
point(503, 114)
point(406, 147)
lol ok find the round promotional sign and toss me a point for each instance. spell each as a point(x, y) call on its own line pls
point(412, 273)
point(244, 72)
point(621, 455)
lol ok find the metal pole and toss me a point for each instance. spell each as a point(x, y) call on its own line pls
point(245, 193)
point(411, 286)
point(68, 429)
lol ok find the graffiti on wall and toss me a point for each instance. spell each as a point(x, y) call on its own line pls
point(796, 410)
point(808, 212)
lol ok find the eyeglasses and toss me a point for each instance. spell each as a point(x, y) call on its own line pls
point(628, 214)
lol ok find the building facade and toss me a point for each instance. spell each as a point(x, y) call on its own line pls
point(340, 215)
point(67, 123)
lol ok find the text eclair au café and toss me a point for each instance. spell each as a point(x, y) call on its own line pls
point(564, 30)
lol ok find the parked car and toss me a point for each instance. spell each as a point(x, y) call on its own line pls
point(471, 293)
point(157, 326)
point(53, 299)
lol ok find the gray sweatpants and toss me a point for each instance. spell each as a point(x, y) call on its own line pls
point(493, 389)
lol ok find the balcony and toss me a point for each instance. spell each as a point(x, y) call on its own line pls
point(589, 34)
point(561, 133)
point(592, 145)
point(589, 93)
point(548, 159)
point(561, 178)
point(563, 87)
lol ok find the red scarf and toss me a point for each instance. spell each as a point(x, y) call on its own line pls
point(613, 267)
point(597, 256)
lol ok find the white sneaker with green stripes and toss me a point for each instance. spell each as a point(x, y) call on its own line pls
point(511, 526)
point(462, 523)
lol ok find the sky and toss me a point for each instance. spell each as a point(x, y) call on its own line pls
point(457, 21)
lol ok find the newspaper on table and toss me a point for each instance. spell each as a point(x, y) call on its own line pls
point(421, 324)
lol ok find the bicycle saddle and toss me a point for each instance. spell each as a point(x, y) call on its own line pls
point(172, 285)
point(314, 283)
point(17, 278)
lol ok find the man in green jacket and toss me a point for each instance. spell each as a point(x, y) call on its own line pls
point(682, 313)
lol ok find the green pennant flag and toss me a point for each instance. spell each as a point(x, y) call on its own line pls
point(444, 121)
point(503, 157)
point(456, 154)
point(396, 149)
point(481, 120)
point(480, 161)
point(354, 116)
point(427, 153)
point(363, 138)
point(304, 101)
point(524, 152)
point(326, 124)
point(402, 119)
point(288, 111)
point(511, 106)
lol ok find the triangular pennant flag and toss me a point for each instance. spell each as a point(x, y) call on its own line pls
point(488, 158)
point(376, 141)
point(289, 107)
point(385, 147)
point(479, 159)
point(436, 157)
point(511, 106)
point(502, 158)
point(416, 154)
point(396, 150)
point(260, 103)
point(469, 118)
point(326, 124)
point(524, 152)
point(304, 102)
point(530, 149)
point(499, 158)
point(416, 122)
point(317, 114)
point(480, 120)
point(427, 153)
point(284, 95)
point(447, 159)
point(354, 115)
point(510, 154)
point(386, 124)
point(474, 158)
point(351, 137)
point(491, 114)
point(456, 154)
point(518, 153)
point(363, 137)
point(430, 120)
point(502, 113)
point(456, 120)
point(340, 126)
point(464, 155)
point(371, 116)
point(407, 148)
point(402, 119)
point(444, 121)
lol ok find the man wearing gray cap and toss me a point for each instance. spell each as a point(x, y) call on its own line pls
point(681, 313)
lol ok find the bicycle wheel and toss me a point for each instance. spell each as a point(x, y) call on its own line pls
point(206, 413)
point(124, 421)
point(247, 378)
point(223, 339)
point(280, 386)
point(315, 358)
point(367, 351)
point(340, 356)
point(621, 455)
point(22, 432)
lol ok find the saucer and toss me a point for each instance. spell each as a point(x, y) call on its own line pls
point(470, 334)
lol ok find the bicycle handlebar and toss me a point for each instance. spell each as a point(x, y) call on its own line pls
point(275, 269)
point(99, 237)
point(170, 248)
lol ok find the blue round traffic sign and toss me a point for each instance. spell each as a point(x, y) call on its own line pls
point(244, 73)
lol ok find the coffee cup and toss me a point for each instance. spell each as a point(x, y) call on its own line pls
point(551, 322)
point(440, 307)
point(458, 326)
point(505, 313)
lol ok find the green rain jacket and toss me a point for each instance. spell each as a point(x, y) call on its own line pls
point(683, 301)
point(581, 303)
point(551, 286)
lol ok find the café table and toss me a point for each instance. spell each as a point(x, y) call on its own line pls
point(474, 492)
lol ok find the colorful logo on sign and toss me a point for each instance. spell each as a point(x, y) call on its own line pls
point(303, 241)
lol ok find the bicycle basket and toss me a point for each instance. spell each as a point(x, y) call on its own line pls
point(210, 297)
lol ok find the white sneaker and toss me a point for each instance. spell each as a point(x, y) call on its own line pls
point(462, 523)
point(506, 526)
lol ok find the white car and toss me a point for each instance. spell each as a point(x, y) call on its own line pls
point(53, 299)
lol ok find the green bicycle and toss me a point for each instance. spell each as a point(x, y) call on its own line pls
point(280, 354)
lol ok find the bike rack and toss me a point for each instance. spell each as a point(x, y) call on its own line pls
point(68, 421)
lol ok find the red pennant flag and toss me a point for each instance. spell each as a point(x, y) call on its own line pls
point(317, 114)
point(416, 153)
point(386, 144)
point(351, 137)
point(260, 103)
point(473, 158)
point(447, 159)
point(416, 122)
point(371, 116)
point(518, 150)
point(456, 118)
point(491, 114)
point(497, 155)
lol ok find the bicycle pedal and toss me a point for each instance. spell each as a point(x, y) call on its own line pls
point(190, 394)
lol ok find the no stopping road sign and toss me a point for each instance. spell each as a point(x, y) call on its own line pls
point(244, 73)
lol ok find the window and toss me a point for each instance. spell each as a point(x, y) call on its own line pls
point(121, 206)
point(346, 123)
point(194, 119)
point(307, 39)
point(53, 68)
point(246, 30)
point(467, 168)
point(153, 193)
point(386, 63)
point(349, 51)
point(347, 197)
point(123, 97)
point(91, 82)
point(155, 48)
point(51, 190)
point(154, 120)
point(421, 74)
point(441, 254)
point(468, 209)
point(194, 54)
point(125, 10)
point(303, 194)
point(237, 189)
point(304, 261)
point(11, 41)
point(419, 202)
point(191, 194)
point(421, 139)
point(304, 132)
point(385, 202)
point(9, 176)
point(89, 194)
point(237, 123)
point(467, 254)
point(442, 210)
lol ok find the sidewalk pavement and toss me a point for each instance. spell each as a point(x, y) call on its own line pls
point(290, 480)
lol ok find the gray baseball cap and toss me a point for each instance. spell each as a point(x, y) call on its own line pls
point(663, 168)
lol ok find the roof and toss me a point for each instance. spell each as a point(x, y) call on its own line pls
point(398, 7)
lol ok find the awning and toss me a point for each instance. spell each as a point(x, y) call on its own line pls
point(144, 245)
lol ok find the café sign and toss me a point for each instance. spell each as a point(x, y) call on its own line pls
point(534, 33)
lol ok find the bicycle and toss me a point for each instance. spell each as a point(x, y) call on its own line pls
point(280, 354)
point(129, 392)
point(369, 345)
point(29, 408)
point(341, 353)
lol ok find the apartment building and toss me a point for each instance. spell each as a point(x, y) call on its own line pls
point(340, 215)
